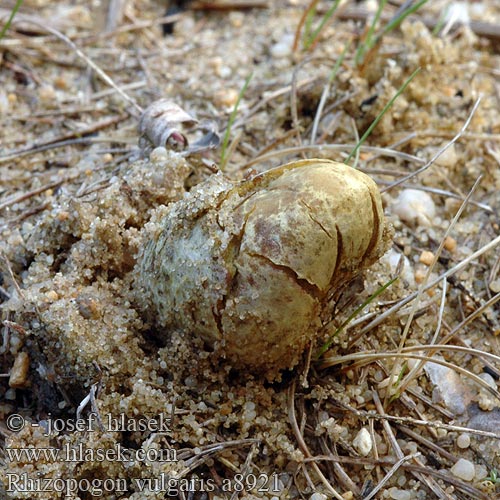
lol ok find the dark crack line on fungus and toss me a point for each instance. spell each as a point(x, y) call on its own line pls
point(308, 287)
point(309, 213)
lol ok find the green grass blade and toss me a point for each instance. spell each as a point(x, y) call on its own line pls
point(398, 20)
point(312, 38)
point(11, 18)
point(368, 42)
point(372, 297)
point(308, 25)
point(441, 21)
point(232, 117)
point(380, 115)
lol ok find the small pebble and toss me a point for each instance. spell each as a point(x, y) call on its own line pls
point(392, 257)
point(464, 469)
point(448, 158)
point(486, 377)
point(318, 496)
point(463, 441)
point(52, 295)
point(426, 257)
point(19, 372)
point(397, 494)
point(413, 206)
point(363, 442)
point(495, 286)
point(481, 472)
point(10, 394)
point(236, 19)
point(226, 98)
point(450, 244)
point(158, 154)
point(283, 48)
point(47, 94)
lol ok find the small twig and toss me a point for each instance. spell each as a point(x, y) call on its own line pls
point(66, 139)
point(30, 194)
point(391, 473)
point(229, 5)
point(11, 275)
point(428, 443)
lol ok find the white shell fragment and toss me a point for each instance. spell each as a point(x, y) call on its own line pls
point(251, 267)
point(161, 124)
point(449, 387)
point(415, 206)
point(363, 442)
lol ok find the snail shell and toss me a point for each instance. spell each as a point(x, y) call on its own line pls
point(159, 125)
point(251, 267)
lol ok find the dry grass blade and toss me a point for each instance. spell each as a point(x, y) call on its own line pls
point(302, 21)
point(107, 79)
point(320, 149)
point(302, 444)
point(429, 481)
point(381, 318)
point(363, 358)
point(439, 153)
point(380, 115)
point(66, 139)
point(431, 445)
point(22, 197)
point(227, 134)
point(440, 192)
point(403, 384)
point(471, 317)
point(371, 415)
point(391, 473)
point(326, 92)
point(480, 28)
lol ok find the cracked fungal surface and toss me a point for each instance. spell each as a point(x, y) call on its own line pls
point(251, 267)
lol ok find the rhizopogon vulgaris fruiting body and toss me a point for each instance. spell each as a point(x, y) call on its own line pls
point(250, 267)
